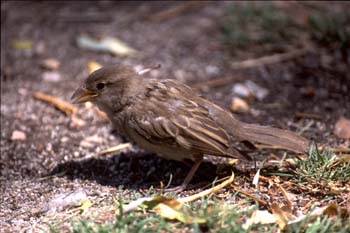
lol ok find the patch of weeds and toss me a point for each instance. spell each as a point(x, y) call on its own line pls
point(321, 166)
point(330, 29)
point(219, 216)
point(131, 222)
point(251, 24)
point(322, 224)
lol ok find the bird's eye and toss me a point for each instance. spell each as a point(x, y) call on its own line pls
point(100, 86)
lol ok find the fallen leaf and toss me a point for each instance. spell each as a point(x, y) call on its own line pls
point(330, 210)
point(18, 136)
point(107, 44)
point(65, 200)
point(50, 64)
point(282, 214)
point(342, 128)
point(172, 208)
point(239, 105)
point(85, 206)
point(166, 207)
point(22, 44)
point(259, 217)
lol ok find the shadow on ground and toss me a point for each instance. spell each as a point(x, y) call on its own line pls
point(134, 171)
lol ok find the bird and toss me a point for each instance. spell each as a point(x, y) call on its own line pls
point(172, 120)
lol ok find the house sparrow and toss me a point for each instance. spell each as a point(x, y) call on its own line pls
point(170, 119)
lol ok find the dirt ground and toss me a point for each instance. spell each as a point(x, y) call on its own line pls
point(52, 160)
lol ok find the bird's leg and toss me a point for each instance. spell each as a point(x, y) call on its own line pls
point(189, 176)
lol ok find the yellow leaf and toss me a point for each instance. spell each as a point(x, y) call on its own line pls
point(22, 44)
point(85, 206)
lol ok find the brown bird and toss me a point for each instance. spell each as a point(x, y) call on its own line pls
point(170, 119)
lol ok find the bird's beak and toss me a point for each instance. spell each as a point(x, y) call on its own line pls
point(82, 95)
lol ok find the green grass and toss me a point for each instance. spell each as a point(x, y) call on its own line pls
point(322, 166)
point(249, 25)
point(225, 216)
point(331, 29)
point(219, 219)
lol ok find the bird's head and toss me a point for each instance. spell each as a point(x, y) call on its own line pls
point(107, 87)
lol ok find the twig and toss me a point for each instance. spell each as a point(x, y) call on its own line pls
point(91, 17)
point(306, 127)
point(307, 115)
point(261, 202)
point(116, 148)
point(208, 191)
point(214, 83)
point(149, 69)
point(335, 150)
point(268, 60)
point(63, 106)
point(286, 196)
point(175, 11)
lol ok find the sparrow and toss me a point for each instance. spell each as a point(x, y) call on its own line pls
point(170, 119)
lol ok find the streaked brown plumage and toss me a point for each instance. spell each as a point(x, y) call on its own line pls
point(170, 119)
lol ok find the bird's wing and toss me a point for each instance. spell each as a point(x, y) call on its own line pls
point(168, 117)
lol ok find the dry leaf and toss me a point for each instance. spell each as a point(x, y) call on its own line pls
point(174, 208)
point(282, 214)
point(330, 210)
point(63, 201)
point(107, 44)
point(166, 207)
point(171, 208)
point(342, 128)
point(85, 206)
point(259, 217)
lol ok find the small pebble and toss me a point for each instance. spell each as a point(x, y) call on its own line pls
point(342, 128)
point(18, 136)
point(239, 105)
point(50, 64)
point(51, 76)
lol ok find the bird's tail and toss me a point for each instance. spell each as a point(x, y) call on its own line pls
point(274, 137)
